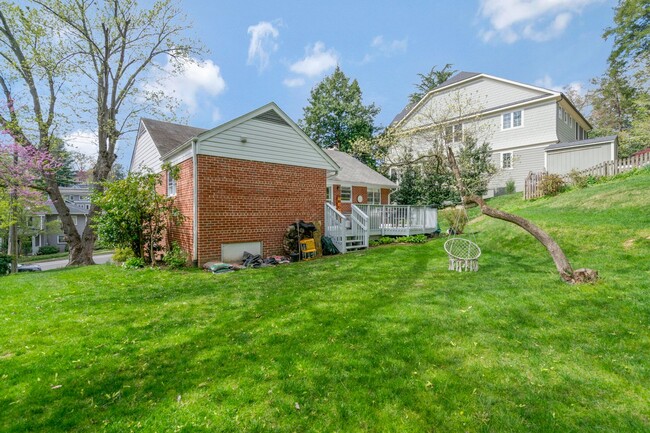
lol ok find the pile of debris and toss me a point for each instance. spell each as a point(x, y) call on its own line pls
point(248, 261)
point(299, 231)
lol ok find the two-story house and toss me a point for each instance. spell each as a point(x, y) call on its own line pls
point(529, 128)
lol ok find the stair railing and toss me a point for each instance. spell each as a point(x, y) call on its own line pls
point(360, 226)
point(335, 227)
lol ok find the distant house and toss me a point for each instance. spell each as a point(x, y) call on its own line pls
point(532, 128)
point(356, 183)
point(77, 199)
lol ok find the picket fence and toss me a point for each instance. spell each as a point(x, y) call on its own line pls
point(607, 168)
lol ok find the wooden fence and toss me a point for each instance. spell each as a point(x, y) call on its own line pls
point(607, 168)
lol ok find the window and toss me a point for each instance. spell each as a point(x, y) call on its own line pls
point(171, 186)
point(374, 196)
point(511, 120)
point(328, 194)
point(506, 160)
point(346, 194)
point(60, 239)
point(562, 114)
point(453, 133)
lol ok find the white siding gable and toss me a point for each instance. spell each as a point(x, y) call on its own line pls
point(481, 95)
point(145, 153)
point(266, 137)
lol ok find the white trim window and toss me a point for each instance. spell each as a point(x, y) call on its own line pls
point(514, 119)
point(60, 239)
point(374, 196)
point(346, 194)
point(171, 186)
point(506, 160)
point(328, 193)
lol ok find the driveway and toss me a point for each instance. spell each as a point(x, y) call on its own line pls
point(100, 259)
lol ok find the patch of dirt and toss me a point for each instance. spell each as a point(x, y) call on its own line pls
point(628, 244)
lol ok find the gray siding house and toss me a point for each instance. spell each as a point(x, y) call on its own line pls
point(528, 127)
point(78, 200)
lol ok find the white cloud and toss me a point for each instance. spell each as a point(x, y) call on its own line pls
point(294, 82)
point(84, 142)
point(547, 82)
point(262, 44)
point(216, 115)
point(380, 47)
point(189, 81)
point(316, 61)
point(537, 20)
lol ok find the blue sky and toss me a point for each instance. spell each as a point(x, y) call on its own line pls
point(263, 51)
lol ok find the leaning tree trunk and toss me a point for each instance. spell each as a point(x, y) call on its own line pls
point(559, 258)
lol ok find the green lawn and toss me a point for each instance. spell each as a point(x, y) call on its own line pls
point(382, 340)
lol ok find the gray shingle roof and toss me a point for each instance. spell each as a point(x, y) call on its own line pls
point(168, 136)
point(356, 172)
point(579, 143)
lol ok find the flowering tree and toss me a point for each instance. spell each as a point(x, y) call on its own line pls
point(21, 170)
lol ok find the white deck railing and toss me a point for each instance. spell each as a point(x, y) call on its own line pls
point(358, 233)
point(335, 227)
point(399, 220)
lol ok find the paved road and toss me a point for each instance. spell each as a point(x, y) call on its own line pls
point(57, 264)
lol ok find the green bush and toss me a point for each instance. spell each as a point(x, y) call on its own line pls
point(552, 184)
point(456, 218)
point(133, 263)
point(5, 264)
point(385, 240)
point(122, 254)
point(47, 249)
point(415, 239)
point(577, 179)
point(510, 187)
point(175, 258)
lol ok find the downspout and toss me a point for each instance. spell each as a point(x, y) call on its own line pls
point(195, 205)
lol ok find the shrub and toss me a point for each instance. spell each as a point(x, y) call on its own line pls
point(415, 239)
point(122, 254)
point(577, 179)
point(456, 217)
point(510, 187)
point(175, 258)
point(47, 249)
point(551, 184)
point(133, 263)
point(5, 264)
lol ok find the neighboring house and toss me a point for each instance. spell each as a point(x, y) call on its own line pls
point(356, 183)
point(529, 128)
point(78, 201)
point(241, 184)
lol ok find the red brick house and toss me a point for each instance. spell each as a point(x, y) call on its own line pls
point(356, 183)
point(241, 184)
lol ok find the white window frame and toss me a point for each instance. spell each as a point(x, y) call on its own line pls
point(511, 114)
point(171, 186)
point(349, 200)
point(60, 239)
point(501, 158)
point(329, 193)
point(375, 193)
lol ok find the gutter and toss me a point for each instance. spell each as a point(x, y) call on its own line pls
point(195, 205)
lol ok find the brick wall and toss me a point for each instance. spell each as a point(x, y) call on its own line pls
point(182, 233)
point(250, 201)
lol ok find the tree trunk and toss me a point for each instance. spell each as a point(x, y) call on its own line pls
point(559, 258)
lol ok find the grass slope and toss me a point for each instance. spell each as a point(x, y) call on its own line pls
point(382, 340)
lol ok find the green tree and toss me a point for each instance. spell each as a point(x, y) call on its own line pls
point(409, 191)
point(430, 81)
point(336, 116)
point(94, 55)
point(133, 214)
point(631, 33)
